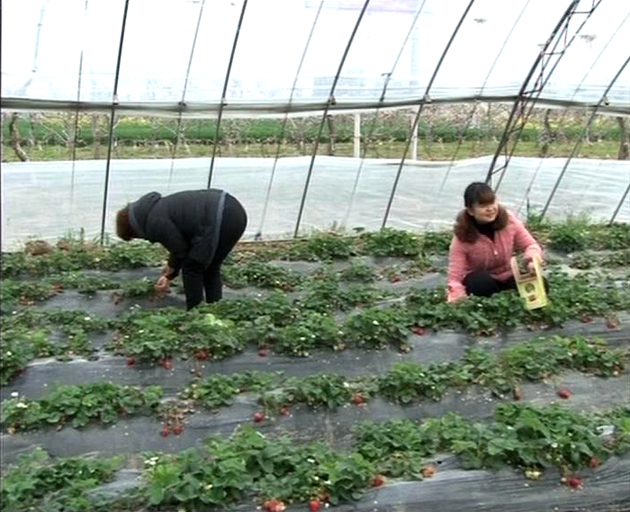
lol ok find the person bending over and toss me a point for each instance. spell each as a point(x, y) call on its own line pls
point(486, 237)
point(199, 228)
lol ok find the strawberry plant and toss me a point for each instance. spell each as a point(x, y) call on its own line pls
point(612, 237)
point(569, 237)
point(391, 242)
point(436, 242)
point(147, 336)
point(204, 331)
point(276, 306)
point(261, 275)
point(216, 477)
point(311, 331)
point(327, 390)
point(17, 350)
point(407, 382)
point(81, 255)
point(378, 328)
point(79, 405)
point(38, 482)
point(219, 390)
point(322, 247)
point(84, 283)
point(25, 293)
point(359, 271)
point(588, 260)
point(325, 295)
point(141, 288)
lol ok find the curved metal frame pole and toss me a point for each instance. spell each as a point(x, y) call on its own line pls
point(331, 101)
point(258, 235)
point(111, 120)
point(517, 107)
point(578, 144)
point(366, 144)
point(223, 94)
point(76, 115)
point(618, 209)
point(182, 103)
point(424, 101)
point(541, 82)
point(475, 106)
point(577, 88)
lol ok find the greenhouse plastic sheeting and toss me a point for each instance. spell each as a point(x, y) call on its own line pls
point(49, 199)
point(289, 52)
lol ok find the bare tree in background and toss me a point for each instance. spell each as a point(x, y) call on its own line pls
point(14, 129)
point(96, 135)
point(332, 135)
point(547, 135)
point(623, 139)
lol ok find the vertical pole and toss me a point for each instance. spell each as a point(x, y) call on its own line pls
point(112, 115)
point(357, 135)
point(414, 137)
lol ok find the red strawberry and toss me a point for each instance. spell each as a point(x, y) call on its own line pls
point(564, 393)
point(263, 351)
point(285, 411)
point(612, 322)
point(274, 506)
point(315, 505)
point(575, 482)
point(202, 355)
point(259, 417)
point(416, 329)
point(428, 471)
point(167, 364)
point(178, 429)
point(378, 481)
point(166, 431)
point(131, 361)
point(357, 399)
point(594, 462)
point(394, 279)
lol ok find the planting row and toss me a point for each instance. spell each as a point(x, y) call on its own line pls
point(501, 373)
point(40, 258)
point(276, 323)
point(254, 274)
point(278, 472)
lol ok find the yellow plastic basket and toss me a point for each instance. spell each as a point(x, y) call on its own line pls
point(531, 287)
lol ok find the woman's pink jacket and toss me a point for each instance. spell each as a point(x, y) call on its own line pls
point(485, 254)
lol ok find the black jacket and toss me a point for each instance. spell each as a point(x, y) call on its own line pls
point(186, 223)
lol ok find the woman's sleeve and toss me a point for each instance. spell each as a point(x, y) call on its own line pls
point(457, 270)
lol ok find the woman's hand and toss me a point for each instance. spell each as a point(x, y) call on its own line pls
point(163, 284)
point(531, 266)
point(167, 271)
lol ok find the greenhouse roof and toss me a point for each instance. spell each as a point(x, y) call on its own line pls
point(256, 57)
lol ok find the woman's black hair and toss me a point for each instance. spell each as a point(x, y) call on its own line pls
point(478, 193)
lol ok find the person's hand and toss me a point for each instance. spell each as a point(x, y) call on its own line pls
point(531, 267)
point(167, 271)
point(163, 284)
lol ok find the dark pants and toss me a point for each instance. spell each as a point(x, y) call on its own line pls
point(482, 284)
point(198, 280)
